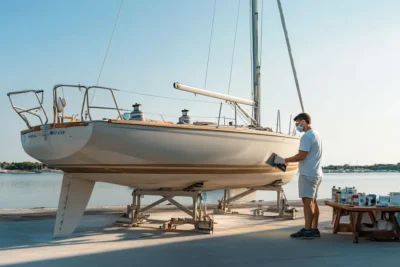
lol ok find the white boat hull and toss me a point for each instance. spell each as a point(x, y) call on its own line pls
point(152, 156)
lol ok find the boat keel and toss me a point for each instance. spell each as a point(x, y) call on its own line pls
point(74, 197)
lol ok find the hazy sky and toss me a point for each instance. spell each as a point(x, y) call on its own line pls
point(346, 53)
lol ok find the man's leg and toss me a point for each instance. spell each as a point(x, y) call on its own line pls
point(307, 196)
point(316, 208)
point(308, 206)
point(316, 215)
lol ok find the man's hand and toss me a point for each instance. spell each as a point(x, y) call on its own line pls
point(279, 160)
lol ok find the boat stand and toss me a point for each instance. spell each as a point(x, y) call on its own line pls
point(202, 221)
point(283, 207)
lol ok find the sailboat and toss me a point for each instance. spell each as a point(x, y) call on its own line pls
point(153, 154)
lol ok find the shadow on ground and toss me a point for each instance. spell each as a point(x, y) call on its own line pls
point(39, 233)
point(99, 243)
point(262, 248)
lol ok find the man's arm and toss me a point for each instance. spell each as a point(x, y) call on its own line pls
point(305, 146)
point(298, 157)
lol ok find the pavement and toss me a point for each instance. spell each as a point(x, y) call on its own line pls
point(238, 240)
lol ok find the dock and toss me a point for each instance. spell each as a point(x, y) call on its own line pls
point(240, 239)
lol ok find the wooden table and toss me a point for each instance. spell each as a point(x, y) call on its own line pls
point(356, 214)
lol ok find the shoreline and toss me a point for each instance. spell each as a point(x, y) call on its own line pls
point(18, 172)
point(29, 172)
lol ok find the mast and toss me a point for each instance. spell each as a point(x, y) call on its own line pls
point(256, 64)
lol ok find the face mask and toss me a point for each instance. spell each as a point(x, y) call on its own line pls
point(300, 128)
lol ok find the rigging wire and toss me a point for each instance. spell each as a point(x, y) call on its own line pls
point(209, 46)
point(290, 53)
point(262, 22)
point(234, 45)
point(108, 48)
point(251, 48)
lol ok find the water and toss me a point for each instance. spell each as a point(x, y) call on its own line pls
point(42, 190)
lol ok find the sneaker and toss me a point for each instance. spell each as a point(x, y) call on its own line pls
point(299, 233)
point(316, 233)
point(307, 234)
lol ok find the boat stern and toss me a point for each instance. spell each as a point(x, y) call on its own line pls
point(52, 142)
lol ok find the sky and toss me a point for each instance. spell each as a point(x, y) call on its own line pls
point(346, 55)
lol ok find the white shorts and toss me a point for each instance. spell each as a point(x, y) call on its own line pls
point(308, 186)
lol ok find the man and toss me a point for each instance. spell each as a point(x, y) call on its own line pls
point(310, 170)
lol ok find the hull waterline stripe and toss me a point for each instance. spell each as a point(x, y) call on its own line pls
point(217, 166)
point(170, 170)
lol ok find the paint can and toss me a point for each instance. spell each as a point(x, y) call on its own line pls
point(371, 200)
point(383, 201)
point(394, 198)
point(362, 199)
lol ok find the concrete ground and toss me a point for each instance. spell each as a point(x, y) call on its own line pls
point(238, 240)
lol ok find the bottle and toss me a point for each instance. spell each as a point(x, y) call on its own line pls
point(343, 196)
point(349, 195)
point(337, 196)
point(333, 193)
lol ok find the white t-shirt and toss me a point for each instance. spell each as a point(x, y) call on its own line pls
point(312, 165)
